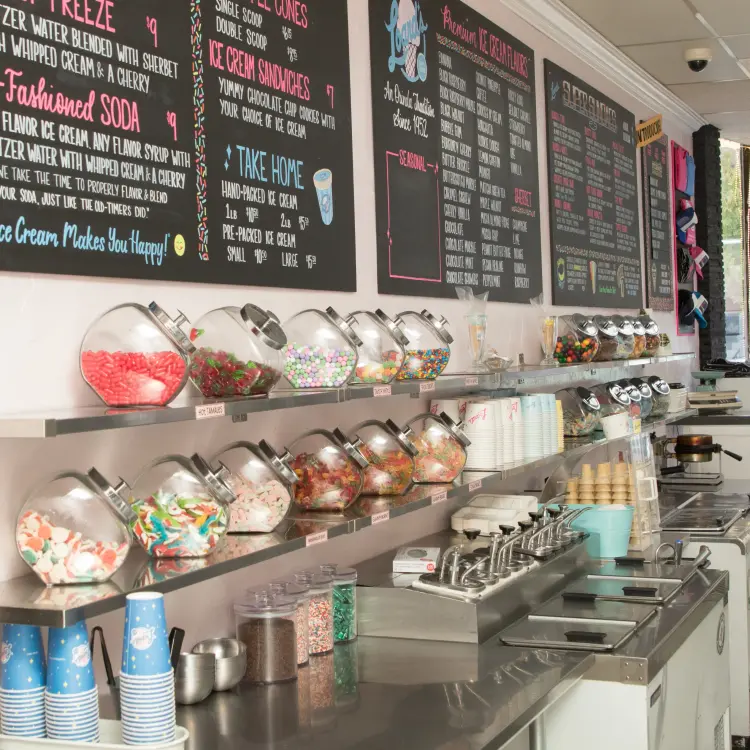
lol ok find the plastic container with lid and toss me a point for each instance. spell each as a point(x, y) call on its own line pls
point(383, 348)
point(647, 400)
point(136, 356)
point(612, 399)
point(390, 452)
point(261, 481)
point(653, 340)
point(181, 507)
point(266, 624)
point(301, 596)
point(625, 337)
point(607, 333)
point(320, 622)
point(639, 338)
point(577, 339)
point(239, 352)
point(321, 351)
point(344, 602)
point(74, 529)
point(329, 468)
point(441, 448)
point(660, 396)
point(581, 411)
point(429, 345)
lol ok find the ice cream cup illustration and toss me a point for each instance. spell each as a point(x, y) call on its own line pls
point(323, 180)
point(592, 274)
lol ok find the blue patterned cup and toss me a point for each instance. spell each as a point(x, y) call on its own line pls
point(70, 670)
point(145, 647)
point(22, 664)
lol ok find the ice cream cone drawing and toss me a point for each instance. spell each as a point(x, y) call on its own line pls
point(323, 180)
point(592, 275)
point(621, 280)
point(408, 40)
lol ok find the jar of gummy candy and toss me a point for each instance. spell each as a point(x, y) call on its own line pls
point(321, 351)
point(136, 356)
point(261, 481)
point(238, 352)
point(380, 356)
point(581, 411)
point(181, 507)
point(625, 337)
point(577, 340)
point(329, 468)
point(652, 335)
point(639, 338)
point(441, 448)
point(390, 452)
point(429, 350)
point(73, 529)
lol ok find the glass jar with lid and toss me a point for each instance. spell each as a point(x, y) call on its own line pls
point(320, 624)
point(344, 601)
point(381, 354)
point(581, 411)
point(239, 352)
point(429, 349)
point(390, 452)
point(329, 468)
point(577, 339)
point(625, 337)
point(441, 448)
point(612, 399)
point(660, 391)
point(301, 596)
point(639, 338)
point(74, 529)
point(182, 507)
point(653, 340)
point(266, 624)
point(134, 356)
point(321, 351)
point(647, 400)
point(261, 481)
point(607, 333)
point(635, 398)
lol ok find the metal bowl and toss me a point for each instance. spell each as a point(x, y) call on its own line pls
point(498, 364)
point(194, 679)
point(231, 660)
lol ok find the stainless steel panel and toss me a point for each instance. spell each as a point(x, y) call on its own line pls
point(572, 635)
point(613, 589)
point(596, 610)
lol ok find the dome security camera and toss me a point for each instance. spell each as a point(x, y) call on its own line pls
point(698, 59)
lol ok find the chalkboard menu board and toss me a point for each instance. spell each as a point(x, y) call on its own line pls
point(594, 220)
point(456, 171)
point(186, 140)
point(657, 218)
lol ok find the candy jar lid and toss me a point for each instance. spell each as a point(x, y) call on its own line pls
point(290, 588)
point(412, 322)
point(612, 393)
point(219, 479)
point(624, 325)
point(649, 324)
point(392, 326)
point(175, 474)
point(340, 575)
point(444, 424)
point(171, 327)
point(116, 495)
point(381, 355)
point(643, 387)
point(579, 397)
point(318, 582)
point(264, 325)
point(605, 326)
point(257, 463)
point(631, 390)
point(581, 324)
point(343, 326)
point(638, 328)
point(262, 603)
point(659, 385)
point(392, 432)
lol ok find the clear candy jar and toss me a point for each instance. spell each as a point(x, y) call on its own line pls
point(381, 353)
point(261, 481)
point(639, 338)
point(625, 337)
point(390, 452)
point(73, 529)
point(429, 345)
point(319, 587)
point(647, 400)
point(136, 356)
point(329, 468)
point(441, 448)
point(660, 396)
point(612, 399)
point(577, 339)
point(344, 602)
point(653, 340)
point(635, 398)
point(321, 351)
point(181, 507)
point(239, 352)
point(301, 596)
point(607, 333)
point(581, 411)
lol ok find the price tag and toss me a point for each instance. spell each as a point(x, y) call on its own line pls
point(472, 380)
point(475, 485)
point(210, 411)
point(521, 381)
point(381, 517)
point(426, 387)
point(440, 497)
point(312, 539)
point(636, 426)
point(381, 390)
point(239, 418)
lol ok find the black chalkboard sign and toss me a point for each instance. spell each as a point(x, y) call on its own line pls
point(594, 218)
point(181, 140)
point(456, 171)
point(657, 218)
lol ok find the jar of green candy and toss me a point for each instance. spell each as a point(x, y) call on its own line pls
point(344, 602)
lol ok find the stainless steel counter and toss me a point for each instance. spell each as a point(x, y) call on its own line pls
point(737, 417)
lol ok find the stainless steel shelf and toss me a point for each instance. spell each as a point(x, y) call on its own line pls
point(27, 601)
point(93, 419)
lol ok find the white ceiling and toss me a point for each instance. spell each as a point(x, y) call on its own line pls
point(656, 33)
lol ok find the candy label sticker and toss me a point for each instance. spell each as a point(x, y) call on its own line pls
point(381, 390)
point(472, 380)
point(381, 517)
point(210, 411)
point(6, 652)
point(312, 539)
point(81, 655)
point(440, 497)
point(426, 387)
point(475, 485)
point(142, 639)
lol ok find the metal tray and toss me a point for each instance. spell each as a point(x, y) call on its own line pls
point(570, 634)
point(635, 590)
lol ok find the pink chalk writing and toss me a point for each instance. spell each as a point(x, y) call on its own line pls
point(97, 13)
point(330, 91)
point(293, 11)
point(172, 122)
point(151, 25)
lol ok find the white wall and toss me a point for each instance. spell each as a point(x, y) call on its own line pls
point(46, 317)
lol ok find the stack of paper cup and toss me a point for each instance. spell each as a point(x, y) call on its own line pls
point(22, 681)
point(71, 701)
point(560, 426)
point(497, 406)
point(549, 415)
point(531, 410)
point(480, 429)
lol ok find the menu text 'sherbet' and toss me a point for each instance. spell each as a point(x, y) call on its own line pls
point(594, 221)
point(180, 140)
point(456, 170)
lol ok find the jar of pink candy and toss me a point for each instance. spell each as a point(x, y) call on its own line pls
point(261, 480)
point(74, 529)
